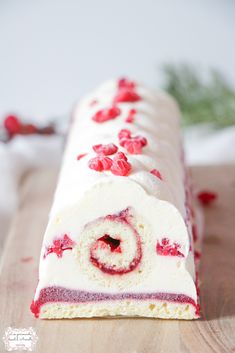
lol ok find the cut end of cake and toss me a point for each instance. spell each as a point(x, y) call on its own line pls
point(57, 302)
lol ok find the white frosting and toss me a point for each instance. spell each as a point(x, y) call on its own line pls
point(84, 195)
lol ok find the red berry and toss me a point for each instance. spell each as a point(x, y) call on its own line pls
point(67, 241)
point(156, 173)
point(126, 95)
point(80, 156)
point(12, 124)
point(164, 248)
point(121, 167)
point(120, 155)
point(106, 150)
point(28, 129)
point(106, 162)
point(100, 163)
point(142, 140)
point(59, 245)
point(95, 163)
point(133, 146)
point(206, 197)
point(130, 116)
point(106, 114)
point(125, 83)
point(124, 133)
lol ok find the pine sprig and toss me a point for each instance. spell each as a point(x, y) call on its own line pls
point(210, 100)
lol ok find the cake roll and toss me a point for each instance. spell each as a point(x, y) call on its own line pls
point(121, 230)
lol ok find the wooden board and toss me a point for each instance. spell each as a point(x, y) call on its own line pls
point(214, 333)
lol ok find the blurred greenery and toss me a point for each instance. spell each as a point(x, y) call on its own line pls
point(209, 99)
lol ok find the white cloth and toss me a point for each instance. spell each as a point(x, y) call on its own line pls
point(203, 146)
point(18, 156)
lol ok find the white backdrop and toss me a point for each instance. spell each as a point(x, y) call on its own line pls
point(52, 51)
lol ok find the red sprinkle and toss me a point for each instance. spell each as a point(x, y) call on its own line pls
point(80, 156)
point(124, 133)
point(125, 83)
point(121, 167)
point(126, 95)
point(133, 145)
point(156, 173)
point(142, 140)
point(120, 155)
point(126, 92)
point(12, 124)
point(100, 163)
point(166, 249)
point(130, 117)
point(59, 246)
point(106, 114)
point(207, 197)
point(105, 150)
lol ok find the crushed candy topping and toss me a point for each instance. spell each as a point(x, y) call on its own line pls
point(59, 246)
point(106, 114)
point(207, 197)
point(164, 248)
point(120, 155)
point(126, 96)
point(105, 150)
point(126, 92)
point(80, 156)
point(124, 133)
point(125, 83)
point(120, 167)
point(100, 163)
point(131, 116)
point(133, 145)
point(156, 173)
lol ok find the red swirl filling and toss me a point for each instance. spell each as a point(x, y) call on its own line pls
point(114, 246)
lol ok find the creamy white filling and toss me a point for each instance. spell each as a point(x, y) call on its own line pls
point(159, 219)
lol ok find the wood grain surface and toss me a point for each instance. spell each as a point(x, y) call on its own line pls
point(215, 332)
